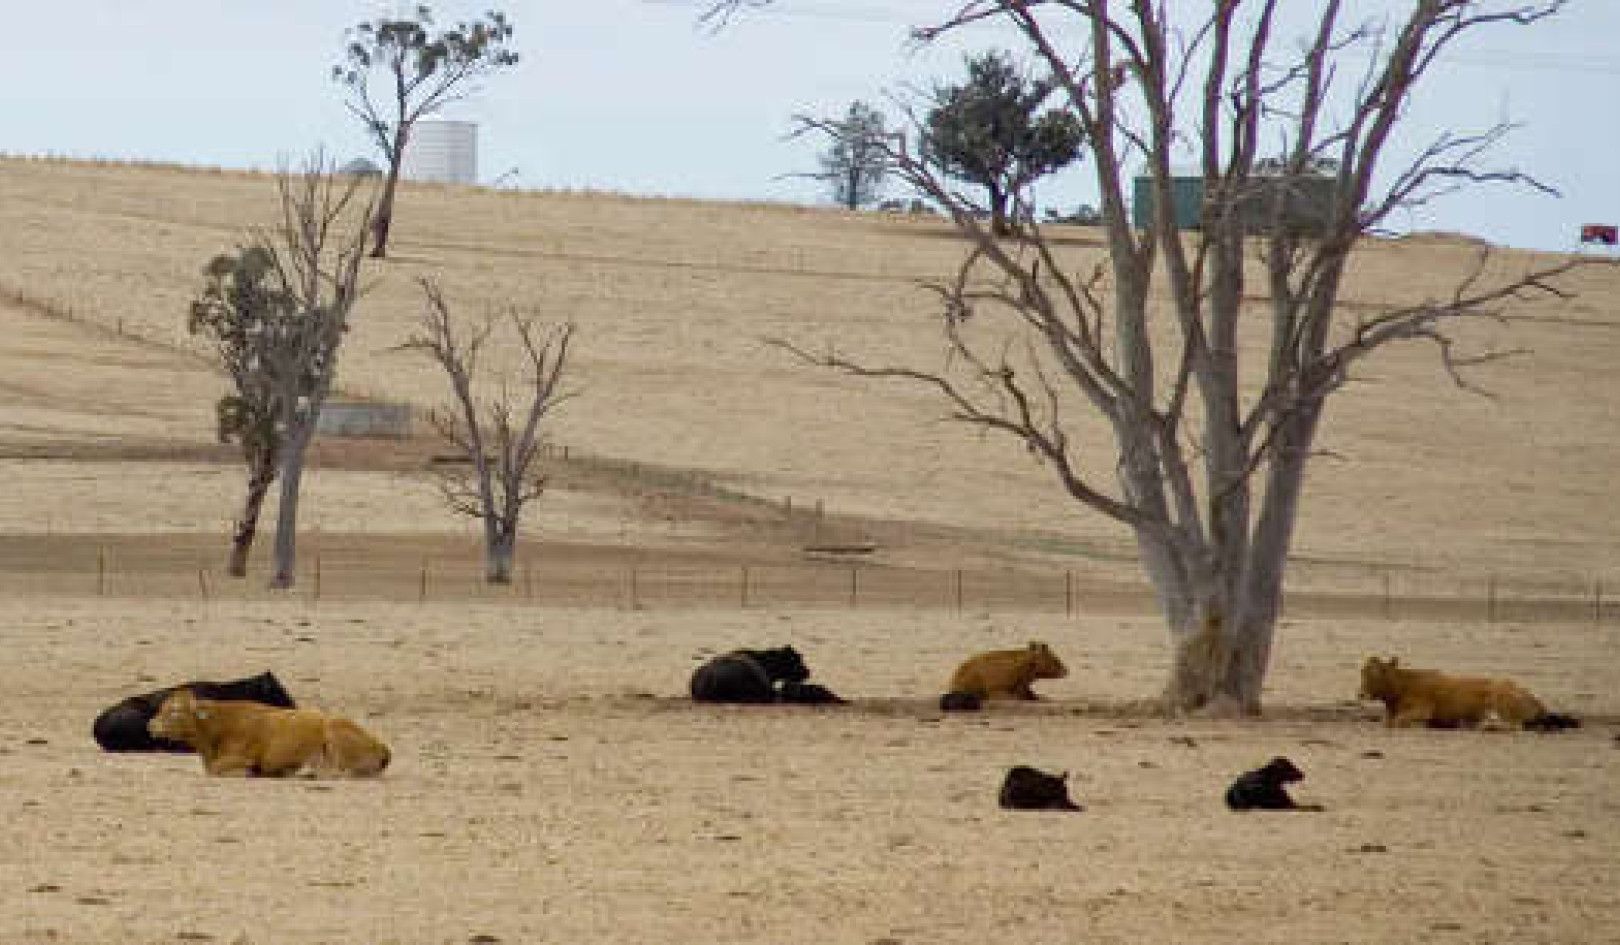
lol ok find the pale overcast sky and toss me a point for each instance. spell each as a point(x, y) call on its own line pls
point(630, 95)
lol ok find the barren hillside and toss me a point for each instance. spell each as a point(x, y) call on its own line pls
point(673, 299)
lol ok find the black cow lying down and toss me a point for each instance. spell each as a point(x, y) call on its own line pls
point(758, 677)
point(123, 726)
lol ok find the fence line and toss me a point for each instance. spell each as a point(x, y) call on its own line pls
point(647, 584)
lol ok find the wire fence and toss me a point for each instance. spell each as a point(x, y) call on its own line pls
point(639, 580)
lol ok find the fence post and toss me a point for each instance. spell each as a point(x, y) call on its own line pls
point(202, 582)
point(635, 594)
point(1597, 601)
point(1068, 593)
point(421, 588)
point(101, 571)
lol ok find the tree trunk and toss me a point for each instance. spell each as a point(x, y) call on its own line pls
point(1219, 669)
point(998, 212)
point(292, 474)
point(247, 527)
point(385, 211)
point(500, 553)
point(1220, 646)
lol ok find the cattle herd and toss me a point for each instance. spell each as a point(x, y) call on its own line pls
point(252, 727)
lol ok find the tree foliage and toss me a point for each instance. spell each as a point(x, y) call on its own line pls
point(238, 311)
point(422, 69)
point(856, 161)
point(990, 131)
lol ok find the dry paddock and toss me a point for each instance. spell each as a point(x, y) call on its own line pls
point(550, 785)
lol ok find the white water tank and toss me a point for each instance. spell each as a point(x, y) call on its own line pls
point(445, 152)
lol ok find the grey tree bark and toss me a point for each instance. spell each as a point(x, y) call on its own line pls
point(382, 222)
point(1210, 468)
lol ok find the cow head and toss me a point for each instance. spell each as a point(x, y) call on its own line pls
point(1379, 678)
point(783, 664)
point(1282, 771)
point(177, 718)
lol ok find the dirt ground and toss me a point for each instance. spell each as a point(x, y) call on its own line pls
point(551, 784)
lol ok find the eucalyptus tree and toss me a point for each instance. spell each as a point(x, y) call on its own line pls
point(994, 130)
point(235, 311)
point(421, 70)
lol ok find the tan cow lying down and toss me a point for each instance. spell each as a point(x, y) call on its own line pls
point(1425, 697)
point(246, 739)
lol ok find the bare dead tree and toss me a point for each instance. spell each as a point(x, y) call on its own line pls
point(313, 256)
point(501, 436)
point(1209, 463)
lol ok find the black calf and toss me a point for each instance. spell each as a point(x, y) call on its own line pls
point(1027, 788)
point(1263, 788)
point(123, 727)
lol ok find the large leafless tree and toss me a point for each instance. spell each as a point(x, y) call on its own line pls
point(501, 436)
point(1211, 436)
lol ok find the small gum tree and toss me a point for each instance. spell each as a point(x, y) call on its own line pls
point(990, 131)
point(1211, 438)
point(421, 71)
point(237, 312)
point(500, 436)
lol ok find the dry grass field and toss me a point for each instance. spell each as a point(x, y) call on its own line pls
point(552, 784)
